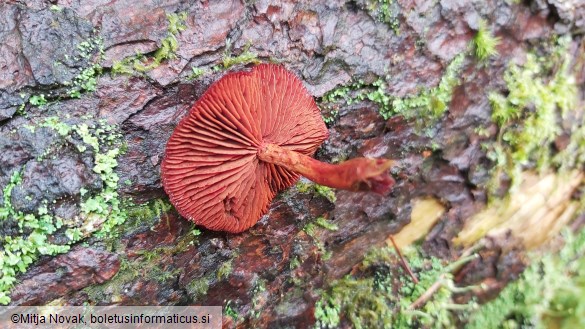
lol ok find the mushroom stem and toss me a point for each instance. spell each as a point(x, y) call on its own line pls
point(359, 174)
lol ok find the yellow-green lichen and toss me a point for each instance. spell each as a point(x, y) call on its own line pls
point(102, 209)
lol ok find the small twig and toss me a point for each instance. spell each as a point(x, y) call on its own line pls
point(441, 280)
point(403, 261)
point(428, 293)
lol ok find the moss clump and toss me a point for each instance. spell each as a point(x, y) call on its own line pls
point(230, 311)
point(20, 251)
point(167, 50)
point(484, 42)
point(379, 295)
point(198, 287)
point(530, 117)
point(310, 187)
point(86, 80)
point(196, 73)
point(246, 57)
point(224, 270)
point(37, 100)
point(151, 264)
point(311, 230)
point(228, 60)
point(549, 294)
point(431, 104)
point(426, 107)
point(386, 11)
point(144, 267)
point(147, 214)
point(258, 297)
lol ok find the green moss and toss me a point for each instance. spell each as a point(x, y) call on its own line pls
point(151, 264)
point(324, 223)
point(86, 80)
point(359, 301)
point(330, 117)
point(37, 100)
point(344, 92)
point(294, 263)
point(147, 214)
point(245, 57)
point(484, 42)
point(230, 311)
point(549, 294)
point(198, 288)
point(112, 289)
point(196, 73)
point(167, 50)
point(311, 230)
point(224, 270)
point(530, 116)
point(431, 104)
point(328, 193)
point(142, 267)
point(426, 107)
point(257, 300)
point(386, 11)
point(379, 295)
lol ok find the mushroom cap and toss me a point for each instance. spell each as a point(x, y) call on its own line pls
point(211, 170)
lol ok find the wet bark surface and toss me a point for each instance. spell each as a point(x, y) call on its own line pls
point(275, 270)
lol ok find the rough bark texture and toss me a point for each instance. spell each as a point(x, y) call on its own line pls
point(156, 258)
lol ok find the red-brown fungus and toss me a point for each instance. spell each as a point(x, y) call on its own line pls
point(249, 136)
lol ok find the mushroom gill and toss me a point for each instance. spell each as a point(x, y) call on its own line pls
point(249, 136)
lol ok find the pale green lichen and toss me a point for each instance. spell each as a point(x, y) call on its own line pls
point(86, 80)
point(20, 251)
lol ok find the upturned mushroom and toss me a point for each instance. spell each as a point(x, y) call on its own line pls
point(249, 136)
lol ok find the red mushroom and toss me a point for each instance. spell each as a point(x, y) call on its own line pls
point(248, 137)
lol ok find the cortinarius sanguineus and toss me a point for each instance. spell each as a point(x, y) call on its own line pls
point(249, 136)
